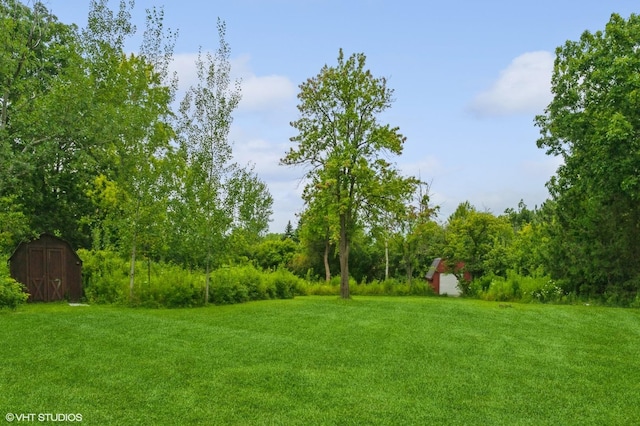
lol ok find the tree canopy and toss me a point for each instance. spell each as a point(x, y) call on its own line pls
point(344, 147)
point(593, 123)
point(93, 149)
point(90, 148)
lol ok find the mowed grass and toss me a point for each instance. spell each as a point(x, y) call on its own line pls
point(319, 360)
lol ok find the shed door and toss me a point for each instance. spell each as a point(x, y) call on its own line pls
point(55, 273)
point(46, 273)
point(37, 274)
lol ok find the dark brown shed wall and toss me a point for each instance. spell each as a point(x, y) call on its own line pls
point(49, 268)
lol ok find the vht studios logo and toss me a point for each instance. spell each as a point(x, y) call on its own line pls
point(43, 417)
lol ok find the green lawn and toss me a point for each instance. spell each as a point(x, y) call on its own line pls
point(319, 360)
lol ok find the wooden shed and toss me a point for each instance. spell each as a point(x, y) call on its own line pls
point(49, 268)
point(442, 278)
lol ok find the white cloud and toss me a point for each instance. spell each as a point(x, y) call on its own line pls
point(267, 92)
point(259, 93)
point(523, 87)
point(426, 168)
point(184, 65)
point(265, 156)
point(544, 168)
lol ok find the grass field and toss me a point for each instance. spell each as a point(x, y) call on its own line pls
point(319, 360)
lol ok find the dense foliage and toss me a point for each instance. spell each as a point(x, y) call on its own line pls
point(593, 124)
point(90, 149)
point(340, 140)
point(93, 150)
point(106, 280)
point(12, 293)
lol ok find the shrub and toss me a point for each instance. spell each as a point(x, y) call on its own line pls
point(421, 289)
point(104, 276)
point(174, 287)
point(389, 287)
point(501, 290)
point(253, 281)
point(227, 286)
point(516, 287)
point(544, 290)
point(480, 285)
point(323, 289)
point(287, 285)
point(157, 284)
point(12, 293)
point(239, 284)
point(374, 288)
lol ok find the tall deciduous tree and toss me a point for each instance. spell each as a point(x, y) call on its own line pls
point(218, 194)
point(593, 123)
point(134, 92)
point(40, 162)
point(206, 116)
point(344, 147)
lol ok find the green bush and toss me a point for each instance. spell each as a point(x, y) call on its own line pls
point(323, 289)
point(174, 287)
point(374, 288)
point(226, 287)
point(480, 285)
point(106, 280)
point(12, 293)
point(226, 293)
point(105, 276)
point(516, 287)
point(390, 287)
point(287, 285)
point(255, 283)
point(237, 284)
point(501, 290)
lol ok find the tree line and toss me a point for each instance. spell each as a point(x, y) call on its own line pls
point(93, 149)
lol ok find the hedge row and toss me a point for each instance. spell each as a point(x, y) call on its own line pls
point(106, 278)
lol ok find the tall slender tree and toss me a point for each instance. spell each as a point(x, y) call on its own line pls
point(219, 194)
point(205, 120)
point(344, 147)
point(135, 93)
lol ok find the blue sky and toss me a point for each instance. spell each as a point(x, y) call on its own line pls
point(469, 77)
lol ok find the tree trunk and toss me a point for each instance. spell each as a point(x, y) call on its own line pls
point(132, 268)
point(386, 259)
point(325, 258)
point(134, 239)
point(207, 281)
point(408, 254)
point(344, 259)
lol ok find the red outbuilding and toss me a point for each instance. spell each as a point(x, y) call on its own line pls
point(443, 279)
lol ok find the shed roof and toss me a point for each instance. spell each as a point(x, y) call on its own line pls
point(48, 235)
point(433, 268)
